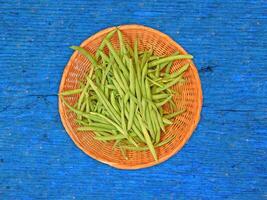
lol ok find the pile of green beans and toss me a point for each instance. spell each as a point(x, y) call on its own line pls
point(124, 93)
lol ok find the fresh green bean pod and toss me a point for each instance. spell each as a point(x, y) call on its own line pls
point(148, 139)
point(71, 92)
point(168, 59)
point(102, 45)
point(172, 115)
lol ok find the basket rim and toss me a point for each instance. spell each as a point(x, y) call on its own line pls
point(165, 157)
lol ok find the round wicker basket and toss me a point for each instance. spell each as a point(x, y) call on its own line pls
point(189, 96)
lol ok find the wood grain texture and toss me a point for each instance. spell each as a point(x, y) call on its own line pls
point(226, 158)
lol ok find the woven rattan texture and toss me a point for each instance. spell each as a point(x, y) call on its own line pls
point(188, 95)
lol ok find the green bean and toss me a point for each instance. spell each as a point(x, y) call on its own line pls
point(102, 125)
point(104, 75)
point(130, 51)
point(123, 153)
point(118, 87)
point(167, 121)
point(111, 87)
point(136, 61)
point(144, 72)
point(173, 82)
point(92, 128)
point(144, 148)
point(97, 119)
point(159, 104)
point(154, 58)
point(78, 112)
point(114, 102)
point(126, 98)
point(123, 122)
point(168, 59)
point(111, 137)
point(142, 83)
point(132, 77)
point(150, 125)
point(160, 96)
point(131, 140)
point(162, 66)
point(168, 68)
point(85, 53)
point(93, 97)
point(104, 57)
point(71, 92)
point(87, 100)
point(147, 89)
point(106, 92)
point(151, 72)
point(179, 72)
point(131, 114)
point(160, 122)
point(119, 80)
point(81, 84)
point(166, 141)
point(98, 76)
point(92, 106)
point(135, 125)
point(143, 107)
point(158, 69)
point(156, 124)
point(149, 116)
point(147, 138)
point(81, 122)
point(122, 46)
point(169, 64)
point(82, 95)
point(102, 45)
point(138, 90)
point(154, 82)
point(124, 79)
point(97, 133)
point(116, 143)
point(103, 133)
point(136, 130)
point(97, 106)
point(172, 115)
point(158, 133)
point(154, 77)
point(153, 119)
point(144, 59)
point(135, 100)
point(138, 141)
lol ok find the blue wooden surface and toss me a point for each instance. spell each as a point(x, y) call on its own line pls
point(226, 158)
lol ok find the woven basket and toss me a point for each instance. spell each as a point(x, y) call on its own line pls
point(189, 97)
